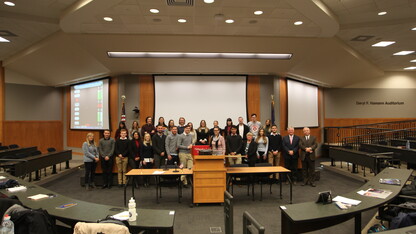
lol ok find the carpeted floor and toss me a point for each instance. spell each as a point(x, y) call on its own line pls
point(200, 219)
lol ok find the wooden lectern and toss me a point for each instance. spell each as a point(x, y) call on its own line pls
point(209, 179)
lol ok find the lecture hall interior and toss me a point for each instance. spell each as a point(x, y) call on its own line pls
point(344, 68)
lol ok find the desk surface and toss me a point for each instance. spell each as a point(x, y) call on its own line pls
point(253, 170)
point(151, 172)
point(311, 211)
point(87, 211)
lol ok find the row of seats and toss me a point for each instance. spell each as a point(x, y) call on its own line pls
point(5, 147)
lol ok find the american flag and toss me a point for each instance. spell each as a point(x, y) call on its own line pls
point(123, 112)
point(272, 111)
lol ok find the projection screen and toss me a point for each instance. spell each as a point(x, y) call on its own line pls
point(302, 104)
point(199, 98)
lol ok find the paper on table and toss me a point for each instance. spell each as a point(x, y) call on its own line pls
point(38, 196)
point(346, 200)
point(158, 172)
point(17, 189)
point(122, 216)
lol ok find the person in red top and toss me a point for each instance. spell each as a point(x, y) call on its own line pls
point(227, 128)
point(134, 157)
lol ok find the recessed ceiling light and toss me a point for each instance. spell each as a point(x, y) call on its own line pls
point(108, 19)
point(383, 43)
point(258, 12)
point(2, 39)
point(229, 21)
point(298, 23)
point(182, 20)
point(414, 29)
point(410, 68)
point(9, 3)
point(413, 61)
point(382, 13)
point(154, 11)
point(404, 52)
point(209, 1)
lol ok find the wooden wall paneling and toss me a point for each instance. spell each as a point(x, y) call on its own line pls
point(283, 105)
point(253, 96)
point(147, 98)
point(338, 122)
point(2, 101)
point(114, 105)
point(43, 134)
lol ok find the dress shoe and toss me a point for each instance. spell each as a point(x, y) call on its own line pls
point(313, 184)
point(120, 185)
point(92, 185)
point(109, 186)
point(294, 183)
point(104, 186)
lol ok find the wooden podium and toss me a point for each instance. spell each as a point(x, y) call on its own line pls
point(209, 179)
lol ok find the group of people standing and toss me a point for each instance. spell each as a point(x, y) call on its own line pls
point(154, 146)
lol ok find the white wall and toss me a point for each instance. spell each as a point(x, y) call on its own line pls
point(390, 80)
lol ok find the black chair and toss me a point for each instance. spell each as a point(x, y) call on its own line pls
point(228, 213)
point(170, 181)
point(51, 149)
point(264, 178)
point(251, 225)
point(240, 179)
point(4, 147)
point(13, 146)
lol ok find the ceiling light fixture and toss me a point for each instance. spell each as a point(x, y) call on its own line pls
point(404, 52)
point(410, 68)
point(414, 29)
point(2, 39)
point(258, 12)
point(298, 23)
point(182, 21)
point(209, 1)
point(382, 13)
point(413, 61)
point(154, 11)
point(9, 3)
point(108, 19)
point(383, 43)
point(198, 55)
point(229, 21)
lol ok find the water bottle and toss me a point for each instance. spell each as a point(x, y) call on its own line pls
point(407, 144)
point(132, 210)
point(7, 226)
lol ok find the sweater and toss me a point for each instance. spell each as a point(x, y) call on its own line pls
point(90, 152)
point(171, 144)
point(106, 147)
point(184, 140)
point(275, 142)
point(234, 144)
point(122, 147)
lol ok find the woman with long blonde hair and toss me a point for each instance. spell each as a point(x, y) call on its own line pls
point(90, 158)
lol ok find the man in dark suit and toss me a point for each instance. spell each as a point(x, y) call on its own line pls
point(242, 129)
point(291, 152)
point(159, 147)
point(307, 147)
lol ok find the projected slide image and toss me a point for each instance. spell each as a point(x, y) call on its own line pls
point(89, 105)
